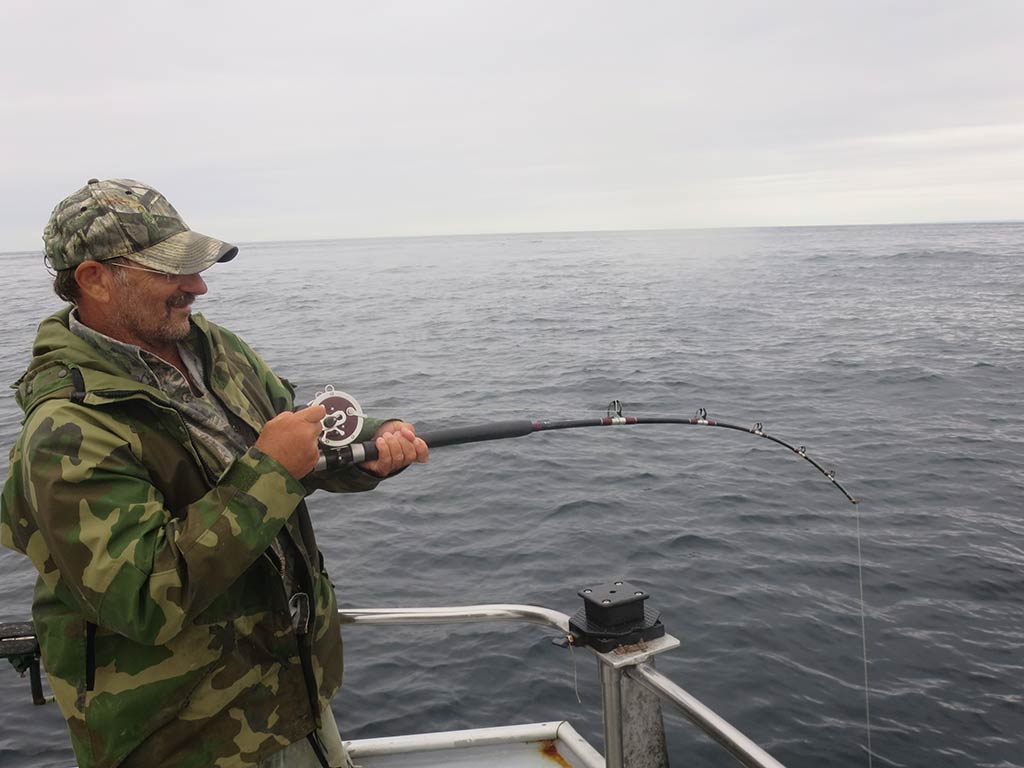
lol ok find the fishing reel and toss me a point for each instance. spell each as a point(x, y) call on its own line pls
point(343, 421)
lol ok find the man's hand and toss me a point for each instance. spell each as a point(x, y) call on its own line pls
point(290, 438)
point(397, 448)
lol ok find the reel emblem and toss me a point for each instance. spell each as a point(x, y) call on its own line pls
point(344, 418)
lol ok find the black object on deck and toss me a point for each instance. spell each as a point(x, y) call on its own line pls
point(614, 614)
point(19, 645)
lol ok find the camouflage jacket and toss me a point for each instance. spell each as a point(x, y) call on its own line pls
point(162, 617)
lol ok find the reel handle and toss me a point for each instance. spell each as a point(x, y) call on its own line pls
point(342, 421)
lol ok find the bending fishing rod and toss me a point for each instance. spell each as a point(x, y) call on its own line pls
point(344, 420)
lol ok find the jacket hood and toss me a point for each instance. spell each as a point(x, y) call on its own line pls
point(67, 366)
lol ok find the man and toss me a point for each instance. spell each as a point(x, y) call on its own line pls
point(182, 607)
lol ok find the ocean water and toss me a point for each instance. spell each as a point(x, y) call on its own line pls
point(895, 354)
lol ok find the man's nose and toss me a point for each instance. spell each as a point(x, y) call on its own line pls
point(193, 284)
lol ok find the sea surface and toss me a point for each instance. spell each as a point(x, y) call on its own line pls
point(895, 354)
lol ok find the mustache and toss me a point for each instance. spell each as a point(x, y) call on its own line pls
point(180, 300)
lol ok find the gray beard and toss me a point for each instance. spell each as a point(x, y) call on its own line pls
point(156, 329)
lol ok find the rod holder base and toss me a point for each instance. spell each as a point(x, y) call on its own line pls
point(614, 614)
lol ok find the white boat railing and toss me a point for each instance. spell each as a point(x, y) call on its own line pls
point(619, 669)
point(465, 614)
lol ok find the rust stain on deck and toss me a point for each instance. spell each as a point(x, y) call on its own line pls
point(550, 750)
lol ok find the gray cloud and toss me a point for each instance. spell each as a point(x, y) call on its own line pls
point(266, 121)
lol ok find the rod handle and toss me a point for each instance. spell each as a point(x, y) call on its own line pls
point(497, 430)
point(357, 453)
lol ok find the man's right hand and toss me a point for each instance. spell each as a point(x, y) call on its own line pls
point(290, 438)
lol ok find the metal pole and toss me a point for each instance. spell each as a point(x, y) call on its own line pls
point(611, 701)
point(643, 728)
point(738, 745)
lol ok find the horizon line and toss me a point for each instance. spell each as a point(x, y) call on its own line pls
point(596, 231)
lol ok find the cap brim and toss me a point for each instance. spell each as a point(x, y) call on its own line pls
point(185, 253)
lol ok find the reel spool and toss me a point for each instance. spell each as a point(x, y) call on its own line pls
point(344, 418)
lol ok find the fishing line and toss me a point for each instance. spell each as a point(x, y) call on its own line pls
point(572, 657)
point(863, 636)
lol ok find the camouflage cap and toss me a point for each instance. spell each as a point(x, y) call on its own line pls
point(122, 218)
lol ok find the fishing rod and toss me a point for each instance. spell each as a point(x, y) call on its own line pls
point(344, 420)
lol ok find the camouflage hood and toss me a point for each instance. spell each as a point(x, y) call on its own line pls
point(59, 357)
point(164, 624)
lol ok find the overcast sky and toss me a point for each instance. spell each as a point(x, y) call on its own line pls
point(270, 121)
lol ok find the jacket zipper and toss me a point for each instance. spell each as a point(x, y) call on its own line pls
point(301, 611)
point(90, 656)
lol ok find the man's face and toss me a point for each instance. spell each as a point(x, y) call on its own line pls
point(152, 310)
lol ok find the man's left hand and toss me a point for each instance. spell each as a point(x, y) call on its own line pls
point(397, 448)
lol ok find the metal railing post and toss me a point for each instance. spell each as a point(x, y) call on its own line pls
point(643, 727)
point(715, 726)
point(611, 706)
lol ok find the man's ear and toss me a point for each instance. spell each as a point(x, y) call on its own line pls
point(95, 281)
